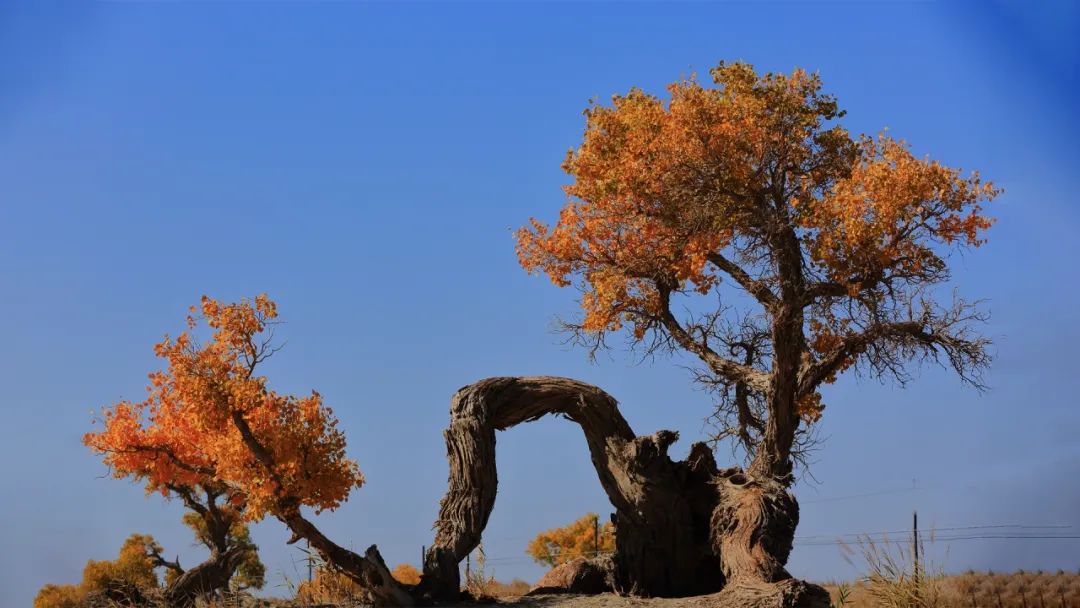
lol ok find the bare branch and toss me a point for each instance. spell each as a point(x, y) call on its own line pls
point(726, 368)
point(886, 344)
point(756, 288)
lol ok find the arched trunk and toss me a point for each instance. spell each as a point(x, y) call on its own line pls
point(662, 508)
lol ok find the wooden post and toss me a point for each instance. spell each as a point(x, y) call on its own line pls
point(915, 552)
point(915, 547)
point(309, 561)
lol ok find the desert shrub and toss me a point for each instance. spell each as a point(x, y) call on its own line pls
point(59, 596)
point(328, 586)
point(579, 539)
point(133, 567)
point(895, 579)
point(477, 581)
point(131, 574)
point(407, 574)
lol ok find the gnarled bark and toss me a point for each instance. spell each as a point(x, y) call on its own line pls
point(205, 579)
point(662, 508)
point(369, 570)
point(752, 529)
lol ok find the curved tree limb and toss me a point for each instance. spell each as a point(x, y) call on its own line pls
point(754, 287)
point(648, 490)
point(731, 371)
point(368, 570)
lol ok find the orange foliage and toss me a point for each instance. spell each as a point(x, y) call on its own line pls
point(133, 567)
point(658, 186)
point(407, 574)
point(579, 539)
point(183, 433)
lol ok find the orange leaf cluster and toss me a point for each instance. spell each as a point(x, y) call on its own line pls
point(579, 539)
point(183, 433)
point(889, 211)
point(406, 573)
point(660, 185)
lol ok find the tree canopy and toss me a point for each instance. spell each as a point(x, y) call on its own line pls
point(206, 409)
point(822, 250)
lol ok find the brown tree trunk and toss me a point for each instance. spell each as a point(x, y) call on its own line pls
point(369, 571)
point(662, 508)
point(205, 579)
point(753, 529)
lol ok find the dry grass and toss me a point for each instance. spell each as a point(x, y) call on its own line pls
point(896, 579)
point(979, 590)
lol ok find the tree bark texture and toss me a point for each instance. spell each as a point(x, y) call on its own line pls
point(205, 579)
point(663, 508)
point(753, 528)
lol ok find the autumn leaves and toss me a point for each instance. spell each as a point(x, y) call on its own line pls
point(185, 433)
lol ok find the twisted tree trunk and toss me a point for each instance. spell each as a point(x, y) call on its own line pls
point(753, 528)
point(662, 508)
point(205, 579)
point(680, 527)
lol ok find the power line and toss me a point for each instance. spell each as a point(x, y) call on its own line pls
point(833, 540)
point(823, 543)
point(934, 530)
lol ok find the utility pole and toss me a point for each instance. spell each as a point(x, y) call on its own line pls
point(915, 549)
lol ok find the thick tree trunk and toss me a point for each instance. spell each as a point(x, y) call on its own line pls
point(753, 529)
point(662, 508)
point(205, 579)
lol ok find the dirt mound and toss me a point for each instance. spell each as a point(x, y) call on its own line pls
point(579, 576)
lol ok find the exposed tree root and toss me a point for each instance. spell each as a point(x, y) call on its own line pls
point(204, 579)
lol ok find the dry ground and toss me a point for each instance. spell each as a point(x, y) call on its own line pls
point(604, 600)
point(970, 590)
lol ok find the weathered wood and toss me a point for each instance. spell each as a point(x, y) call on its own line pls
point(662, 508)
point(205, 579)
point(753, 528)
point(369, 571)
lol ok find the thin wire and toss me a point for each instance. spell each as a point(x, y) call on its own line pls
point(933, 530)
point(819, 540)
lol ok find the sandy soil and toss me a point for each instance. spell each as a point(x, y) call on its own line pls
point(604, 600)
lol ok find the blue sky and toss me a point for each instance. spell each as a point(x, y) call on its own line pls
point(365, 164)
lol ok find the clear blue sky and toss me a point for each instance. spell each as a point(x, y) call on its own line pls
point(364, 164)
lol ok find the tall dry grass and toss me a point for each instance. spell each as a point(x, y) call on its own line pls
point(895, 579)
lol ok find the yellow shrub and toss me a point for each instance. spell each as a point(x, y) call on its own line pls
point(579, 539)
point(406, 574)
point(59, 596)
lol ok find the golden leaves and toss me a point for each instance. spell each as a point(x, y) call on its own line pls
point(659, 185)
point(583, 538)
point(183, 433)
point(406, 573)
point(890, 210)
